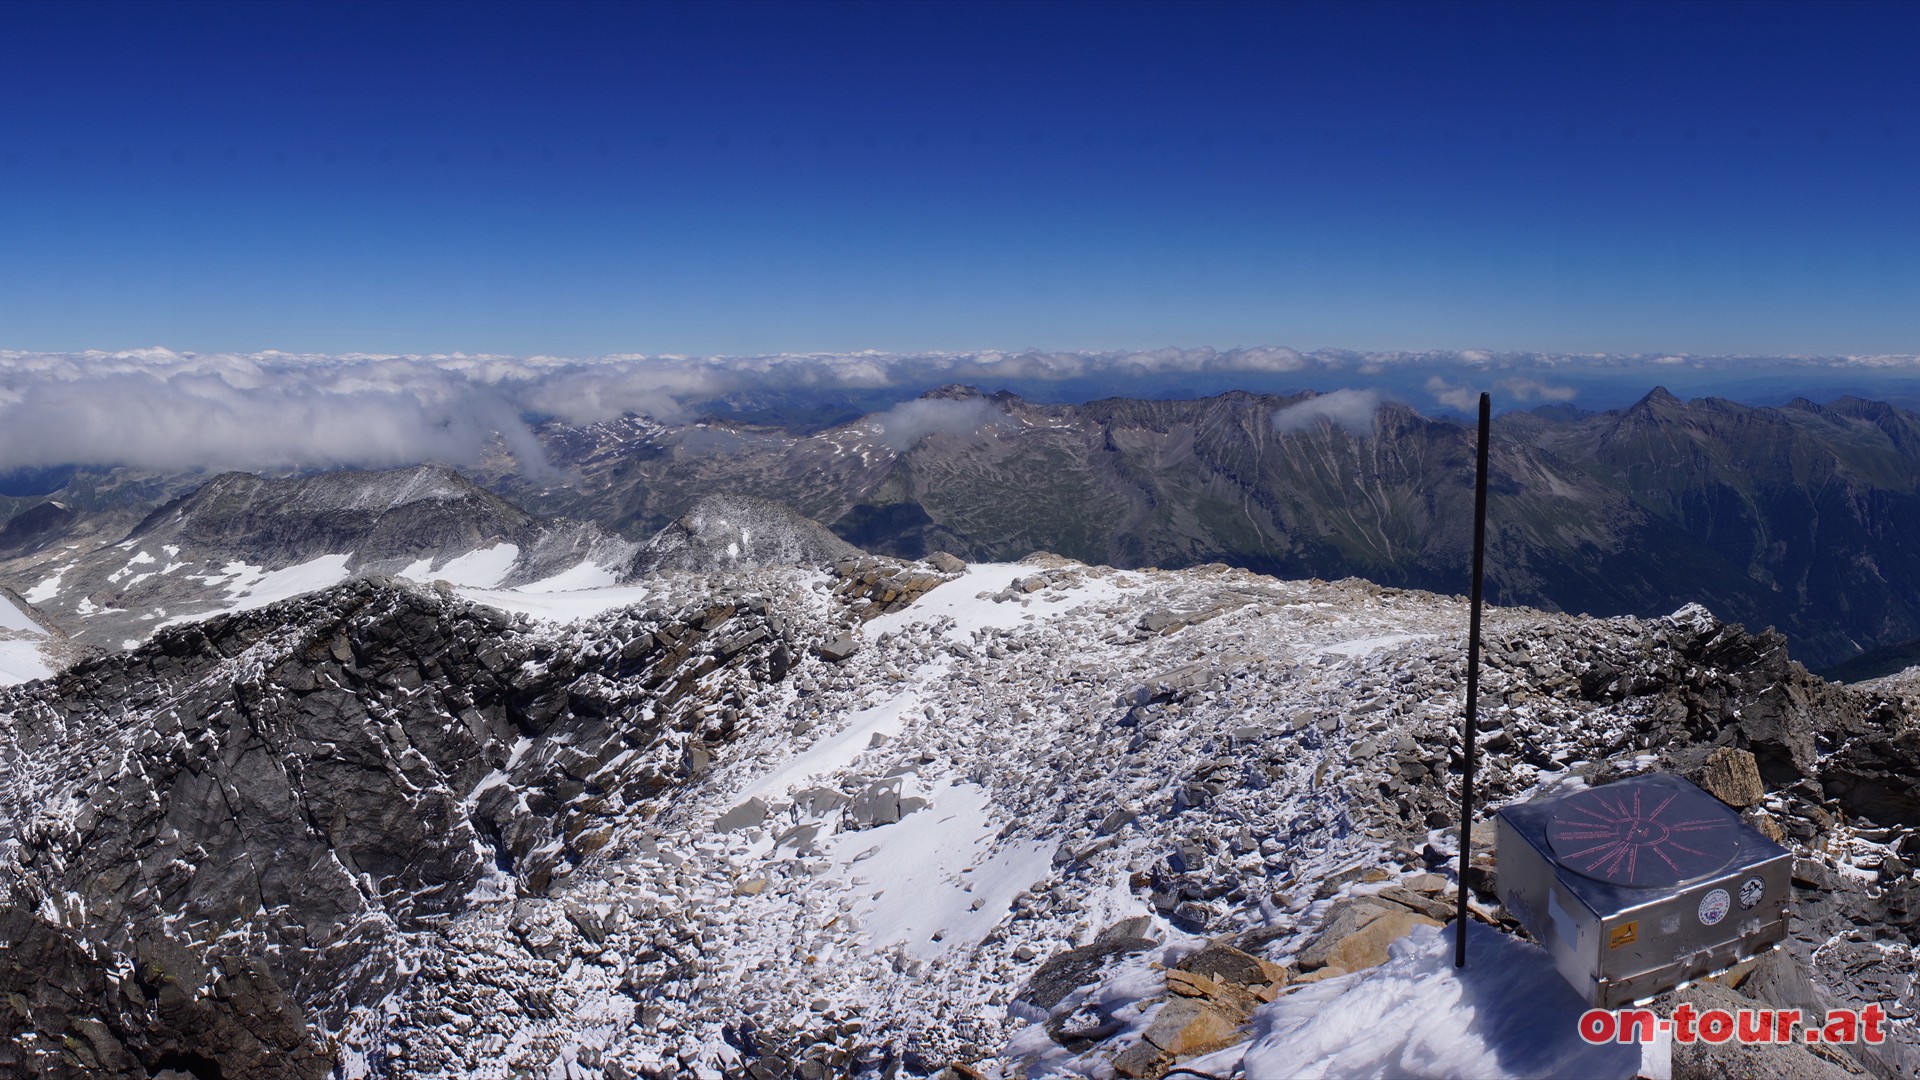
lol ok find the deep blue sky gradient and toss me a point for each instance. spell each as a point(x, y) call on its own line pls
point(724, 178)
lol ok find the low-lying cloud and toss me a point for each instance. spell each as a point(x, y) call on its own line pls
point(1453, 397)
point(903, 426)
point(1352, 410)
point(243, 412)
point(1517, 388)
point(1521, 388)
point(164, 410)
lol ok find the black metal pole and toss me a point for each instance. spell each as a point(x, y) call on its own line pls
point(1473, 675)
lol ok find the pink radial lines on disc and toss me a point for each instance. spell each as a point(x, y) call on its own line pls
point(1630, 835)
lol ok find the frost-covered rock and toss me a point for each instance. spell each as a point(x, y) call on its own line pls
point(647, 831)
point(738, 532)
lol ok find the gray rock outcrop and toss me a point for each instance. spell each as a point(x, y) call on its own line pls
point(738, 532)
point(225, 845)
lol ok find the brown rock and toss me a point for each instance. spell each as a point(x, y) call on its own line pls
point(1332, 971)
point(1186, 1026)
point(1345, 917)
point(1367, 946)
point(1142, 1061)
point(1733, 777)
point(1232, 999)
point(876, 585)
point(1764, 822)
point(1223, 961)
point(1187, 984)
point(1426, 905)
point(946, 563)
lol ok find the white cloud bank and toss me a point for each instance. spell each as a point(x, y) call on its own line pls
point(165, 410)
point(1519, 388)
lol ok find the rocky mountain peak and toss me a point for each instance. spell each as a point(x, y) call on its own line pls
point(1659, 406)
point(738, 532)
point(953, 392)
point(241, 541)
point(35, 527)
point(374, 517)
point(336, 502)
point(316, 786)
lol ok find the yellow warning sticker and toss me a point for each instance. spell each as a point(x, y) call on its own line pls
point(1624, 934)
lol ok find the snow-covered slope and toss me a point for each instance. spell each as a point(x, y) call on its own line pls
point(241, 542)
point(22, 642)
point(1030, 754)
point(716, 825)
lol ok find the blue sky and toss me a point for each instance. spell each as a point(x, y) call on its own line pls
point(584, 180)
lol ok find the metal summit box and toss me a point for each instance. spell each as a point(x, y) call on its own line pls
point(1640, 885)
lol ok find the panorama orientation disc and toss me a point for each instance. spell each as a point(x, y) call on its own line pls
point(1627, 834)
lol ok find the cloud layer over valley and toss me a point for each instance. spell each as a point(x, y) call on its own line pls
point(160, 409)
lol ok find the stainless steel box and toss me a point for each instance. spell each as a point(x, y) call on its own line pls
point(1640, 885)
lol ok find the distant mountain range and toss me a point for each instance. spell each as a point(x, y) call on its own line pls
point(1805, 516)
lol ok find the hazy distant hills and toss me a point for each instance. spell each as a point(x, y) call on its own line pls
point(1804, 516)
point(1808, 513)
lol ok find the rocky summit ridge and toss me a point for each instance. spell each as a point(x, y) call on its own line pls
point(735, 532)
point(878, 818)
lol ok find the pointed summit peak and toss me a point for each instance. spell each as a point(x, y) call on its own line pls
point(1658, 402)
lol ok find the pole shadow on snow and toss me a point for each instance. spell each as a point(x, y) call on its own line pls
point(1527, 1016)
point(1507, 1014)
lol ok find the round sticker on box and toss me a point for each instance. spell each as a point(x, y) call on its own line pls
point(1713, 907)
point(1751, 890)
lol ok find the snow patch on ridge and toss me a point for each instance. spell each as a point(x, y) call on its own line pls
point(481, 568)
point(585, 575)
point(561, 606)
point(46, 590)
point(970, 601)
point(21, 661)
point(12, 617)
point(248, 586)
